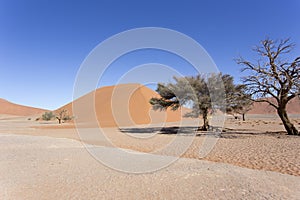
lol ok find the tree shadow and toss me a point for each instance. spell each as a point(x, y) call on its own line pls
point(160, 130)
point(244, 133)
point(185, 130)
point(193, 130)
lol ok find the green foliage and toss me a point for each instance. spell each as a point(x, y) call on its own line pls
point(67, 118)
point(48, 116)
point(203, 93)
point(240, 102)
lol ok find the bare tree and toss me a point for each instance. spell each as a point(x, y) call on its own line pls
point(61, 115)
point(274, 75)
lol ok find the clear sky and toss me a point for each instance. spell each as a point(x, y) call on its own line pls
point(43, 42)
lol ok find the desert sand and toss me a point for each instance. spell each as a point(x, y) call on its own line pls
point(34, 167)
point(48, 163)
point(254, 159)
point(258, 143)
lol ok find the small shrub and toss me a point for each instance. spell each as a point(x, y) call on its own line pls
point(48, 116)
point(67, 118)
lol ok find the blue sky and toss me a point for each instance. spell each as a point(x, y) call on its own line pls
point(43, 43)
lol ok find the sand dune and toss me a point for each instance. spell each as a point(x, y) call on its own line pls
point(120, 105)
point(8, 108)
point(293, 107)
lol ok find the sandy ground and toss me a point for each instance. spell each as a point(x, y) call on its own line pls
point(34, 167)
point(258, 143)
point(58, 166)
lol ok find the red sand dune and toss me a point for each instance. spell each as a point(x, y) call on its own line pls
point(120, 105)
point(9, 108)
point(293, 107)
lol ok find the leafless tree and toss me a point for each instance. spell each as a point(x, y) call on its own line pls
point(61, 114)
point(274, 75)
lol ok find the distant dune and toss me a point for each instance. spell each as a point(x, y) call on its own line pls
point(293, 107)
point(121, 105)
point(8, 108)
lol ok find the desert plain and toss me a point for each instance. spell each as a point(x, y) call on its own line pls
point(252, 159)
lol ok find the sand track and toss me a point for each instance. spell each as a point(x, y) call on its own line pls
point(33, 167)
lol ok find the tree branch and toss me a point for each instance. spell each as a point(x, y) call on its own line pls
point(264, 100)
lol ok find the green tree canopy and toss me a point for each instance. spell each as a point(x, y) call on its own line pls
point(204, 93)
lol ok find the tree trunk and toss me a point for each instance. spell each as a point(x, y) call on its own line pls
point(59, 120)
point(289, 127)
point(205, 125)
point(205, 121)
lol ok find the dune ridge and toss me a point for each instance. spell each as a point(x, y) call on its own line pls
point(120, 105)
point(293, 107)
point(9, 108)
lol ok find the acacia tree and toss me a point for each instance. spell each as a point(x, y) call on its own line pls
point(243, 107)
point(240, 102)
point(204, 93)
point(48, 116)
point(61, 115)
point(274, 75)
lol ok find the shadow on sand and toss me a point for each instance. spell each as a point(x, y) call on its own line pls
point(192, 130)
point(161, 130)
point(186, 130)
